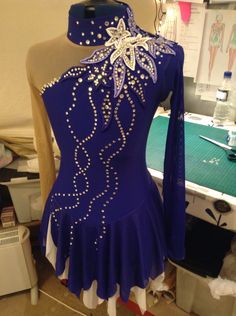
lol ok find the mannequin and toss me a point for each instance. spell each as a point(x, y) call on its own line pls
point(40, 70)
point(95, 8)
point(48, 60)
point(104, 227)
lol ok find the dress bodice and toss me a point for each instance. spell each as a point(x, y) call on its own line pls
point(101, 112)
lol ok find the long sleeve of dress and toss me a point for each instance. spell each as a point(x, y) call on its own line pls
point(174, 170)
point(43, 139)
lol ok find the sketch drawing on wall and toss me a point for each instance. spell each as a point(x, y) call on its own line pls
point(216, 39)
point(218, 49)
point(231, 48)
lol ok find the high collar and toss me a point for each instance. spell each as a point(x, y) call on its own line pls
point(93, 31)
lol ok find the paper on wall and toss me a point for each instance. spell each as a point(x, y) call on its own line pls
point(218, 47)
point(194, 1)
point(206, 92)
point(200, 88)
point(210, 93)
point(190, 37)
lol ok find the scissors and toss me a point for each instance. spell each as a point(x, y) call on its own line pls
point(231, 153)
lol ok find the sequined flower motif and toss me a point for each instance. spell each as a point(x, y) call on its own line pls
point(117, 34)
point(125, 50)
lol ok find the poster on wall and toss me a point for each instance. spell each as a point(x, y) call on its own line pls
point(189, 36)
point(193, 1)
point(218, 52)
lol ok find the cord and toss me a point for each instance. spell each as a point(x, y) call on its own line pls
point(159, 14)
point(160, 11)
point(156, 15)
point(60, 302)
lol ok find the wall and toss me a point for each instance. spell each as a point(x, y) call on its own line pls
point(22, 24)
point(192, 102)
point(25, 22)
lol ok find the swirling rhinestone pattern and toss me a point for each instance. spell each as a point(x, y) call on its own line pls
point(79, 147)
point(117, 72)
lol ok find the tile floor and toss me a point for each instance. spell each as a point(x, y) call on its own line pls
point(18, 304)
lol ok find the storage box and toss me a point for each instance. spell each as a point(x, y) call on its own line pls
point(8, 217)
point(17, 271)
point(193, 295)
point(26, 198)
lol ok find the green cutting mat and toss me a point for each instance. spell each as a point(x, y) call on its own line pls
point(206, 164)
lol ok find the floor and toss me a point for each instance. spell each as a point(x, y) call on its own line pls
point(19, 304)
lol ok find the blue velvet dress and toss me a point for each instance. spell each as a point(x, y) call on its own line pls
point(104, 212)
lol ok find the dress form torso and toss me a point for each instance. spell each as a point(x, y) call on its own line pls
point(103, 219)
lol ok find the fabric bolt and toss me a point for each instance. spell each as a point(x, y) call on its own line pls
point(21, 146)
point(105, 227)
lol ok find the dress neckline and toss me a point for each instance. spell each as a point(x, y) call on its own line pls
point(93, 31)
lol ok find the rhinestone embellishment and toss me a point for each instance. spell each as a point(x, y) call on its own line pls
point(117, 72)
point(125, 51)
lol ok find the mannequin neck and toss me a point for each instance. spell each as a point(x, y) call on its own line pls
point(96, 8)
point(92, 31)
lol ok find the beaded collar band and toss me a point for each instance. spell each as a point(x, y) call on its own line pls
point(92, 32)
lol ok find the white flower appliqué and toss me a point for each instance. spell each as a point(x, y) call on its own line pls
point(125, 44)
point(126, 49)
point(117, 34)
